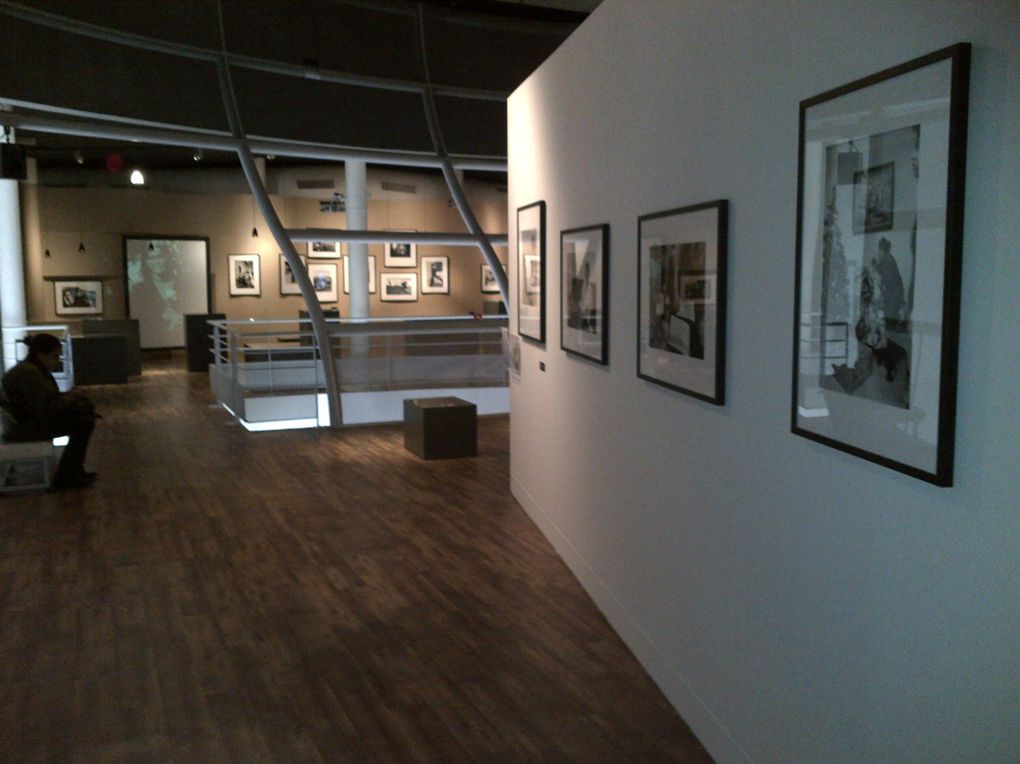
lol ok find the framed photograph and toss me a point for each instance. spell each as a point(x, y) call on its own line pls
point(324, 249)
point(489, 283)
point(399, 287)
point(400, 254)
point(288, 284)
point(531, 271)
point(584, 302)
point(879, 240)
point(435, 275)
point(324, 277)
point(371, 274)
point(682, 299)
point(245, 275)
point(78, 297)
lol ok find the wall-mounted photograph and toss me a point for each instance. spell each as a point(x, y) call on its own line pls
point(324, 278)
point(79, 297)
point(400, 254)
point(288, 284)
point(324, 249)
point(371, 274)
point(879, 240)
point(682, 299)
point(435, 275)
point(531, 271)
point(245, 275)
point(398, 287)
point(489, 283)
point(584, 302)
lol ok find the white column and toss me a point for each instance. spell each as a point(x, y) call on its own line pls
point(12, 269)
point(357, 220)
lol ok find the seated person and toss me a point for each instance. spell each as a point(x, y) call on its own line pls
point(35, 409)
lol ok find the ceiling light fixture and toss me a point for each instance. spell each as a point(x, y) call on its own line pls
point(137, 179)
point(79, 158)
point(197, 156)
point(81, 247)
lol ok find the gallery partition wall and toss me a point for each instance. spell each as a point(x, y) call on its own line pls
point(799, 599)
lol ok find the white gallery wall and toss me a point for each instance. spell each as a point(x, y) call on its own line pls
point(796, 604)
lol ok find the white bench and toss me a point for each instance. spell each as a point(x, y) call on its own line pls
point(26, 466)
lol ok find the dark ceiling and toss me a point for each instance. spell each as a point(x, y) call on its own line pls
point(477, 44)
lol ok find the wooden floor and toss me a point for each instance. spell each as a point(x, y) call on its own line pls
point(301, 597)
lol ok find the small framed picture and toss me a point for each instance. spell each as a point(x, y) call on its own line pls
point(399, 287)
point(78, 298)
point(400, 254)
point(245, 275)
point(435, 275)
point(324, 277)
point(324, 249)
point(682, 299)
point(584, 304)
point(531, 271)
point(489, 283)
point(879, 249)
point(371, 274)
point(288, 284)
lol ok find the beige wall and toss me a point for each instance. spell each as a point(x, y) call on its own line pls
point(100, 218)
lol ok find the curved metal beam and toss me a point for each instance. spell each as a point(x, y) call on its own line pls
point(450, 173)
point(89, 126)
point(258, 189)
point(196, 53)
point(396, 237)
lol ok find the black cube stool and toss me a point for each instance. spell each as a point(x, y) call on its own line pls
point(440, 428)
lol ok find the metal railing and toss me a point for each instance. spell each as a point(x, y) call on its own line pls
point(254, 361)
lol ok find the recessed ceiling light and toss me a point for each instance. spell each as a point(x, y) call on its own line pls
point(137, 179)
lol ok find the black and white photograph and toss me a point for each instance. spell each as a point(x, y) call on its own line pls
point(531, 271)
point(324, 249)
point(288, 284)
point(489, 283)
point(400, 254)
point(371, 274)
point(584, 304)
point(878, 249)
point(399, 287)
point(435, 274)
point(78, 297)
point(681, 330)
point(324, 278)
point(245, 275)
point(875, 189)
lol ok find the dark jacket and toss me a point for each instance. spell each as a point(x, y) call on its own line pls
point(31, 403)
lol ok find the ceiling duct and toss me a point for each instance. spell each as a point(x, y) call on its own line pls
point(315, 184)
point(403, 188)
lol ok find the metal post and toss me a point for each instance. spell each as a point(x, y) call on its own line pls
point(258, 189)
point(450, 172)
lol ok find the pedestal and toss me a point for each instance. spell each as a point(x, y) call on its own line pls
point(440, 428)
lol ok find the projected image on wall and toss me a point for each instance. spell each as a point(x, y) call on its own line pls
point(166, 280)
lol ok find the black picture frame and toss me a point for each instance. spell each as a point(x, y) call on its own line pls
point(232, 286)
point(526, 281)
point(600, 320)
point(869, 303)
point(707, 312)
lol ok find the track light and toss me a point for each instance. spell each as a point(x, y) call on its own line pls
point(81, 247)
point(197, 156)
point(79, 158)
point(48, 253)
point(137, 179)
point(151, 248)
point(254, 232)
